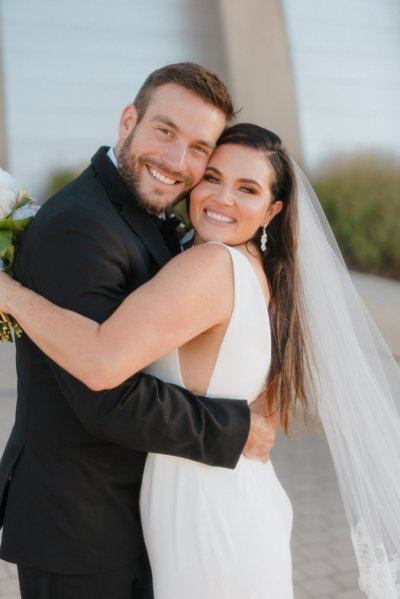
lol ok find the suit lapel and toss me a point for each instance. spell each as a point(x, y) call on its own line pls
point(145, 228)
point(136, 217)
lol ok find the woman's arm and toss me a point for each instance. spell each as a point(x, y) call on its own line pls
point(191, 294)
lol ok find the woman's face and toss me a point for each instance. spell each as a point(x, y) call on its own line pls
point(234, 197)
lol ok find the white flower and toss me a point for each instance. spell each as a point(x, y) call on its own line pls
point(27, 211)
point(8, 193)
point(6, 180)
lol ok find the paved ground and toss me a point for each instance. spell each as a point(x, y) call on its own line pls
point(8, 580)
point(324, 565)
point(382, 298)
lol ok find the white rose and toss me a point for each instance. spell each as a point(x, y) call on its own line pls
point(8, 193)
point(27, 211)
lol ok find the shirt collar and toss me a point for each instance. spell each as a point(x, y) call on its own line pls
point(112, 157)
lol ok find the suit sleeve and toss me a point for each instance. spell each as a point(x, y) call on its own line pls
point(78, 263)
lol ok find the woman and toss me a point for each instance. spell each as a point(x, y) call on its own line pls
point(213, 532)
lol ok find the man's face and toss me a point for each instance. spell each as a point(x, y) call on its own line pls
point(164, 155)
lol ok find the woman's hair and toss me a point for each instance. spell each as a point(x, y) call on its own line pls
point(289, 378)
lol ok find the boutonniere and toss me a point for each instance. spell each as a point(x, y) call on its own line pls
point(182, 220)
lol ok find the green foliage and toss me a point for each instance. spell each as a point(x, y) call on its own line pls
point(59, 179)
point(361, 199)
point(5, 236)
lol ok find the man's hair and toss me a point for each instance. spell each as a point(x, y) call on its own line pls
point(197, 79)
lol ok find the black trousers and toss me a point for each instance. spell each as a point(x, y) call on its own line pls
point(132, 583)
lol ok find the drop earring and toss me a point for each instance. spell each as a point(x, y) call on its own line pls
point(264, 239)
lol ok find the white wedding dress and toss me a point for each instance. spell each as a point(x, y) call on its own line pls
point(214, 533)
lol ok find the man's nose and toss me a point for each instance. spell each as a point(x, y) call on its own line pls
point(176, 157)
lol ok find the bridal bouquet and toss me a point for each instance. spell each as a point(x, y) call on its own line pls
point(17, 209)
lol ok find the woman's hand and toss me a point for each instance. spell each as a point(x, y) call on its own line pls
point(8, 286)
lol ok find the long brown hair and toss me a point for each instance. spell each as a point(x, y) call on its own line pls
point(289, 379)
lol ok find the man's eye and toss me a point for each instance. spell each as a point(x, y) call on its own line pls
point(201, 150)
point(164, 130)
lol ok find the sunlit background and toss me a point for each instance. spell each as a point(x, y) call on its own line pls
point(325, 75)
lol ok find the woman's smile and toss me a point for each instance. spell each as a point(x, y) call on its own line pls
point(216, 217)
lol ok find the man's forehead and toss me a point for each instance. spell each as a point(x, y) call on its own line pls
point(170, 91)
point(178, 99)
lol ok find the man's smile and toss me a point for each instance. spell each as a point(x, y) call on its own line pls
point(162, 178)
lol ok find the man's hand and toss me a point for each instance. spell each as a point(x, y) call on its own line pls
point(262, 432)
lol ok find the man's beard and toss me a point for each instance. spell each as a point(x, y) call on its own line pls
point(129, 167)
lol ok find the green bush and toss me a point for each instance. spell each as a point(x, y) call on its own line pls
point(361, 199)
point(59, 179)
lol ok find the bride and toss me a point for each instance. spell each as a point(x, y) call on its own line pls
point(261, 298)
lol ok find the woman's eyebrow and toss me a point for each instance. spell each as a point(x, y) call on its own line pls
point(214, 170)
point(252, 181)
point(241, 180)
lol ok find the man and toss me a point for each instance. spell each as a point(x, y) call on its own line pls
point(72, 468)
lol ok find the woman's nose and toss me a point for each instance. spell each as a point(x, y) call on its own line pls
point(224, 194)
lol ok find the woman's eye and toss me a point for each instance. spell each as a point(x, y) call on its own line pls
point(211, 178)
point(247, 189)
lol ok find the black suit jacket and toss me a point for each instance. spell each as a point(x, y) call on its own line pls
point(71, 472)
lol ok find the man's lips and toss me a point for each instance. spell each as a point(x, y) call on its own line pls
point(161, 177)
point(214, 216)
point(167, 177)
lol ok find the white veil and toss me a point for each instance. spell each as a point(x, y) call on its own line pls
point(358, 389)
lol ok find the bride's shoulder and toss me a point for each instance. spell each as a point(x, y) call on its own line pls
point(211, 254)
point(224, 255)
point(207, 262)
point(202, 277)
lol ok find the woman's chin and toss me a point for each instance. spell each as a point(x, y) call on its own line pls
point(216, 239)
point(208, 234)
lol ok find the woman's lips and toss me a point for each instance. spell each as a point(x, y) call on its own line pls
point(214, 216)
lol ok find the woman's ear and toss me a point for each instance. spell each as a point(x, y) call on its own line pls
point(272, 211)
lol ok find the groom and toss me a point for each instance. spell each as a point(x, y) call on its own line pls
point(71, 472)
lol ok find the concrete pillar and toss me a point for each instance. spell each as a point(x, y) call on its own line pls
point(259, 65)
